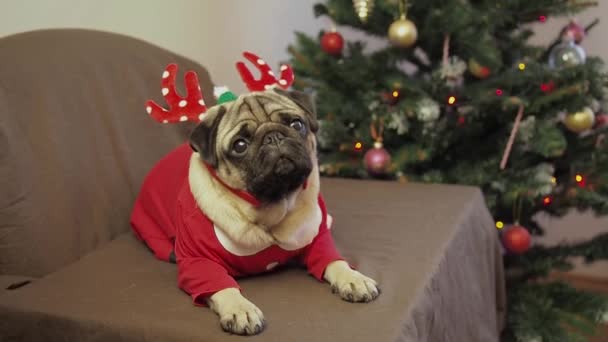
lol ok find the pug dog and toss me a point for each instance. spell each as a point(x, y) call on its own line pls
point(251, 203)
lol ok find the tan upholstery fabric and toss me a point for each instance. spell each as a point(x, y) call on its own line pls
point(11, 282)
point(75, 141)
point(432, 248)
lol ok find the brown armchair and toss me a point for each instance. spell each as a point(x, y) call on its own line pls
point(75, 145)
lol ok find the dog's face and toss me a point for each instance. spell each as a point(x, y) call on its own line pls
point(263, 142)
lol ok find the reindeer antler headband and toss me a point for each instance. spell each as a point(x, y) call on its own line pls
point(193, 108)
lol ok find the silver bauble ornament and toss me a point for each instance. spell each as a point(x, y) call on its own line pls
point(566, 54)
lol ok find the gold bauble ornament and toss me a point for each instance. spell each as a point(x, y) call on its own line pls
point(580, 121)
point(363, 8)
point(402, 32)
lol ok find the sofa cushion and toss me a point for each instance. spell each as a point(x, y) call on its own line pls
point(75, 140)
point(440, 274)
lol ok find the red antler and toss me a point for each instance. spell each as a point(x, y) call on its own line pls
point(267, 80)
point(181, 109)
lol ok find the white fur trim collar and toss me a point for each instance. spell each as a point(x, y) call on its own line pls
point(301, 238)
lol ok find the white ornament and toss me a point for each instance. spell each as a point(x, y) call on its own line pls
point(427, 110)
point(526, 129)
point(373, 105)
point(544, 178)
point(398, 122)
point(454, 68)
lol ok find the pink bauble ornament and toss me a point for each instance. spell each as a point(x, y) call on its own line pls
point(574, 31)
point(377, 160)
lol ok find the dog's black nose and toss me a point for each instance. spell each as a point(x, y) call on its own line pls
point(273, 137)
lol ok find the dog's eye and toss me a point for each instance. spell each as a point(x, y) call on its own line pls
point(240, 146)
point(298, 125)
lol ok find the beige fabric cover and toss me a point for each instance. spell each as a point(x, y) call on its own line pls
point(432, 248)
point(75, 141)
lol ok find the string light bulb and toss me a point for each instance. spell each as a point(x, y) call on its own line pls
point(553, 180)
point(542, 18)
point(500, 224)
point(547, 200)
point(358, 146)
point(580, 180)
point(498, 92)
point(452, 100)
point(522, 66)
point(547, 87)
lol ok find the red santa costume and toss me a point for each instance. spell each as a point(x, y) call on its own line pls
point(168, 220)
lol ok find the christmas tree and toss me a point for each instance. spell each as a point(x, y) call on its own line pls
point(460, 95)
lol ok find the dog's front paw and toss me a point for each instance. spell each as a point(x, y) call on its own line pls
point(237, 314)
point(351, 285)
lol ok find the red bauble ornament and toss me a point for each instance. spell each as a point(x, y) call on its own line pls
point(332, 43)
point(574, 31)
point(377, 160)
point(516, 239)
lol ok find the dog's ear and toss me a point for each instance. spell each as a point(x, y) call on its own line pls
point(203, 137)
point(305, 102)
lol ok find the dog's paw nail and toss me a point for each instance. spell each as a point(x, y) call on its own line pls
point(350, 297)
point(334, 289)
point(258, 329)
point(227, 326)
point(248, 331)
